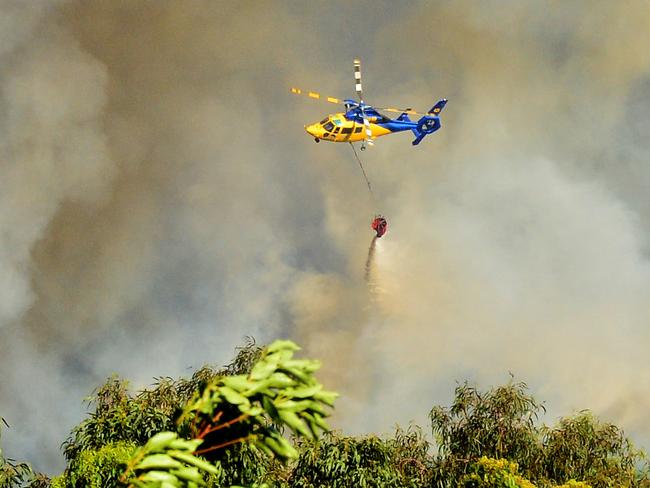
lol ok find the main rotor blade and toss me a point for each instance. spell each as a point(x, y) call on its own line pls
point(357, 79)
point(317, 96)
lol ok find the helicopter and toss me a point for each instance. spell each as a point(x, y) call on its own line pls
point(362, 122)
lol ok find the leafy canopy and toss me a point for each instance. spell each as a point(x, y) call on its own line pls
point(247, 408)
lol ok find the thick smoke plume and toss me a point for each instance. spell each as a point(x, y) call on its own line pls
point(159, 200)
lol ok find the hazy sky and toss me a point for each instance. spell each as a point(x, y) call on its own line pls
point(160, 200)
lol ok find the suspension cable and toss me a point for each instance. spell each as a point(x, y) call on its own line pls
point(362, 170)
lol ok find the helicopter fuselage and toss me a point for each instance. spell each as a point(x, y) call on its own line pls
point(348, 127)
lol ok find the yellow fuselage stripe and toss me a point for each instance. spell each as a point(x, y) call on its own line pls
point(376, 131)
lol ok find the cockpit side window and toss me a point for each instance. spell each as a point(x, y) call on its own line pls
point(328, 126)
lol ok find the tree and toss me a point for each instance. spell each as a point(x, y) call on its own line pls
point(119, 416)
point(484, 436)
point(581, 447)
point(121, 419)
point(11, 472)
point(250, 408)
point(336, 461)
point(260, 420)
point(494, 473)
point(499, 424)
point(97, 468)
point(15, 474)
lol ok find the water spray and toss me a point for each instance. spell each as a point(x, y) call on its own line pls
point(369, 259)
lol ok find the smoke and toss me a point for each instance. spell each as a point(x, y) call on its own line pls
point(159, 201)
point(66, 159)
point(515, 248)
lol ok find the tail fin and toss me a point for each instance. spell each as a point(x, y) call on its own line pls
point(404, 117)
point(429, 123)
point(437, 108)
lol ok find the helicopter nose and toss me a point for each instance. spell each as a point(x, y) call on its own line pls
point(312, 130)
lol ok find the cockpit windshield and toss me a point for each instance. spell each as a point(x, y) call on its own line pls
point(329, 126)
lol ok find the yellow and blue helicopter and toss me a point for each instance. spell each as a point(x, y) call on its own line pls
point(363, 123)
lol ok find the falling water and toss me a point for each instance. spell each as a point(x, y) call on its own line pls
point(369, 260)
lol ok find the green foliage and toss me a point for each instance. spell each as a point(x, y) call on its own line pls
point(337, 461)
point(245, 465)
point(225, 427)
point(231, 410)
point(168, 461)
point(122, 418)
point(15, 474)
point(494, 473)
point(574, 484)
point(119, 416)
point(582, 447)
point(411, 454)
point(498, 424)
point(12, 473)
point(345, 461)
point(247, 355)
point(97, 468)
point(501, 424)
point(279, 390)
